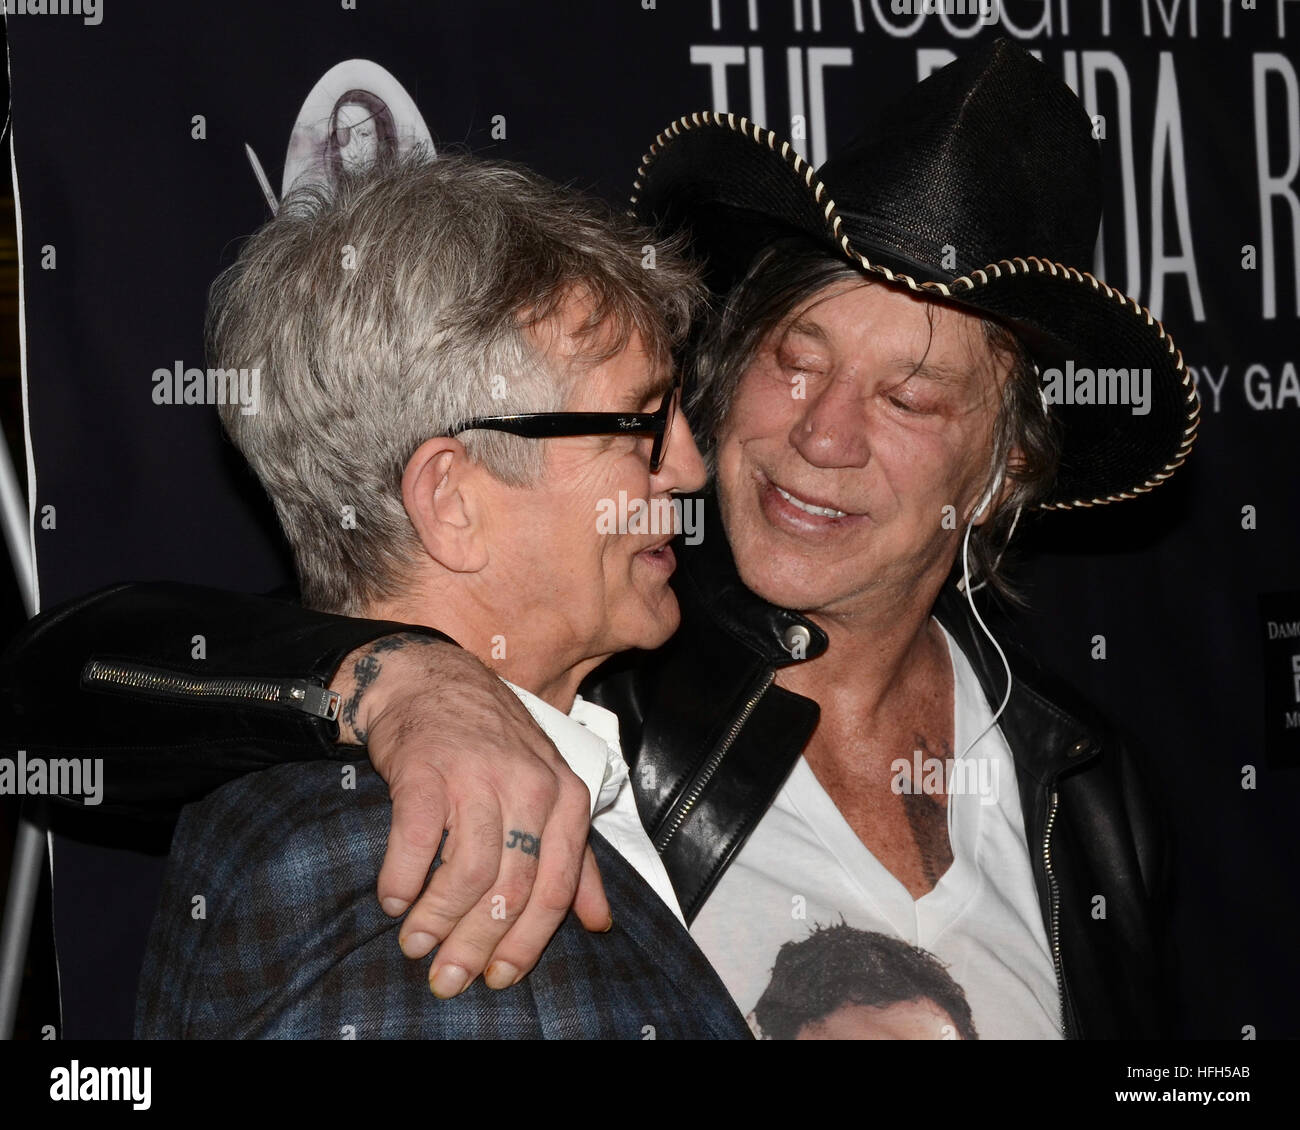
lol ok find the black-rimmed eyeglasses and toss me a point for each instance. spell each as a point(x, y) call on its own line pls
point(554, 425)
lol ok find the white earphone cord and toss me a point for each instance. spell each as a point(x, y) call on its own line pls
point(970, 598)
point(965, 586)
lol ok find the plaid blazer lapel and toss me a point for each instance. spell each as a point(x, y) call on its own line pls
point(684, 993)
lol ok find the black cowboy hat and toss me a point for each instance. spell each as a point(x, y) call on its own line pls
point(982, 187)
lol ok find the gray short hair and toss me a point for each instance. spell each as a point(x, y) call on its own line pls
point(390, 306)
point(789, 273)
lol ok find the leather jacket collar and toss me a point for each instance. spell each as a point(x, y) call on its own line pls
point(769, 632)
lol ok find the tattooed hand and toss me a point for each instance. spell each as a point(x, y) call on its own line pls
point(460, 753)
point(529, 845)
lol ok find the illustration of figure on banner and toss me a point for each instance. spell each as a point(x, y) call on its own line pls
point(357, 113)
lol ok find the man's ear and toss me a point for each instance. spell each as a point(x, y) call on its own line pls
point(440, 497)
point(1015, 466)
point(1006, 484)
point(1015, 462)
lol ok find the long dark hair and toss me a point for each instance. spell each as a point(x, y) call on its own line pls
point(380, 114)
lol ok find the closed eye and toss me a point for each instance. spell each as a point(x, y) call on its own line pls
point(916, 405)
point(796, 361)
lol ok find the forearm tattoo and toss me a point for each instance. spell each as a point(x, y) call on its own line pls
point(366, 670)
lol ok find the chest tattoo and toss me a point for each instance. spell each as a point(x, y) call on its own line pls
point(927, 817)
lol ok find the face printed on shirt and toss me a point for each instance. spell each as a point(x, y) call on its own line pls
point(840, 983)
point(920, 1019)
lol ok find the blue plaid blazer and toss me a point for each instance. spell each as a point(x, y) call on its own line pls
point(291, 942)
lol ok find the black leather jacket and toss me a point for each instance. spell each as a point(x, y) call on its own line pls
point(712, 740)
point(711, 737)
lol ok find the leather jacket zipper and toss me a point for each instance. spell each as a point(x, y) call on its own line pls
point(1053, 894)
point(293, 694)
point(678, 817)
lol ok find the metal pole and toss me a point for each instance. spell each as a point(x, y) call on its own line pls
point(24, 883)
point(13, 513)
point(31, 839)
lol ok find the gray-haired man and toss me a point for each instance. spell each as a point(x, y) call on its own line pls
point(415, 329)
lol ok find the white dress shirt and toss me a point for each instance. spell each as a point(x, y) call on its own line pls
point(587, 738)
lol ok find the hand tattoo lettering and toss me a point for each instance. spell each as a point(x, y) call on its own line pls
point(529, 845)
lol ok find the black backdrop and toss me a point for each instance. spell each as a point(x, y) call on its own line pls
point(126, 216)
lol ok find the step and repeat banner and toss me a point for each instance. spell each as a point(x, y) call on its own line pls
point(149, 138)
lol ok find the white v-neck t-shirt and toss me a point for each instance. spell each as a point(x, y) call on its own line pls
point(805, 877)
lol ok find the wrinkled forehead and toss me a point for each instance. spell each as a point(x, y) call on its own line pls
point(608, 365)
point(631, 380)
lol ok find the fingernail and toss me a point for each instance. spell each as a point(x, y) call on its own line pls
point(608, 928)
point(393, 906)
point(448, 981)
point(417, 945)
point(500, 975)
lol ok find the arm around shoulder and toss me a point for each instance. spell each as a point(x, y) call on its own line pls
point(180, 688)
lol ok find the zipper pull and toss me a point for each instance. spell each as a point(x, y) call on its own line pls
point(136, 678)
point(311, 699)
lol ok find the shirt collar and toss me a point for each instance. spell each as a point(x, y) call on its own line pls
point(587, 738)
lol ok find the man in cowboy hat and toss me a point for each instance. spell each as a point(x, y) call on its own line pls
point(803, 748)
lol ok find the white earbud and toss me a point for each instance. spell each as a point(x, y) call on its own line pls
point(1042, 392)
point(989, 495)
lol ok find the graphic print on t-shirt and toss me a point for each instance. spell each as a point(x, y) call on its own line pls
point(839, 983)
point(815, 938)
